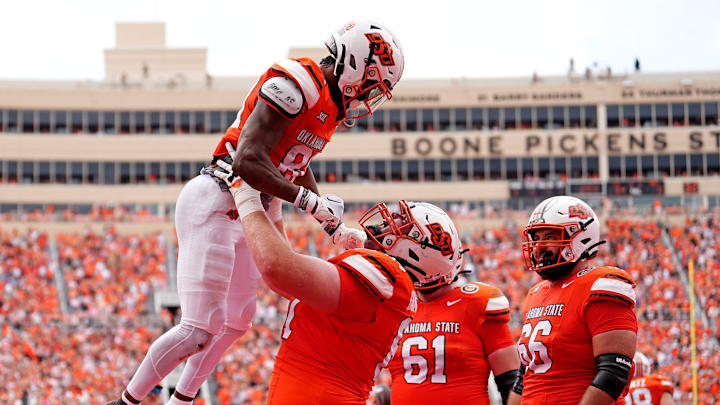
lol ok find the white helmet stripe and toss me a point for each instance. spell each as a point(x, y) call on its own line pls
point(298, 72)
point(371, 273)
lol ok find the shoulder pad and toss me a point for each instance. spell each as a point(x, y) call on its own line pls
point(376, 270)
point(283, 94)
point(611, 283)
point(304, 76)
point(494, 301)
point(664, 383)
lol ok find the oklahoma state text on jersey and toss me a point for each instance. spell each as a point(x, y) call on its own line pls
point(648, 390)
point(334, 358)
point(442, 358)
point(555, 344)
point(311, 128)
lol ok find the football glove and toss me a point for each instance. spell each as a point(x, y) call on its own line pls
point(348, 238)
point(327, 209)
point(247, 199)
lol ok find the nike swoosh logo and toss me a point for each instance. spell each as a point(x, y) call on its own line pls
point(567, 284)
point(451, 303)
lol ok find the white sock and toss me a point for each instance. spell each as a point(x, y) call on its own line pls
point(177, 401)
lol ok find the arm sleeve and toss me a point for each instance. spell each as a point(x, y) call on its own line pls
point(356, 301)
point(603, 316)
point(495, 335)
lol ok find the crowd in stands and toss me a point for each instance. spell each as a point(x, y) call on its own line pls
point(88, 354)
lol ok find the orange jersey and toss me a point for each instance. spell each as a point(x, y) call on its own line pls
point(333, 358)
point(648, 390)
point(442, 357)
point(556, 344)
point(311, 128)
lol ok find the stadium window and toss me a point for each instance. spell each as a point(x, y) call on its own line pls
point(575, 121)
point(560, 167)
point(347, 170)
point(477, 118)
point(186, 172)
point(43, 121)
point(614, 166)
point(511, 168)
point(645, 115)
point(429, 170)
point(379, 170)
point(662, 116)
point(361, 124)
point(679, 165)
point(11, 120)
point(541, 117)
point(495, 169)
point(28, 120)
point(576, 167)
point(108, 122)
point(462, 169)
point(169, 175)
point(446, 170)
point(198, 123)
point(697, 164)
point(411, 120)
point(154, 174)
point(444, 119)
point(3, 170)
point(710, 113)
point(59, 122)
point(395, 120)
point(27, 172)
point(76, 172)
point(364, 170)
point(109, 173)
point(378, 121)
point(139, 172)
point(124, 118)
point(216, 122)
point(461, 115)
point(590, 116)
point(59, 170)
point(613, 119)
point(663, 163)
point(694, 114)
point(11, 173)
point(413, 170)
point(316, 170)
point(3, 120)
point(558, 117)
point(713, 164)
point(628, 115)
point(331, 171)
point(631, 166)
point(647, 166)
point(427, 117)
point(138, 124)
point(93, 122)
point(528, 168)
point(93, 172)
point(167, 122)
point(543, 167)
point(509, 119)
point(478, 169)
point(184, 127)
point(525, 118)
point(678, 115)
point(493, 120)
point(230, 117)
point(592, 165)
point(77, 124)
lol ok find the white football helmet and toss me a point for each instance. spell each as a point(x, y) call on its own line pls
point(642, 365)
point(369, 61)
point(420, 236)
point(579, 229)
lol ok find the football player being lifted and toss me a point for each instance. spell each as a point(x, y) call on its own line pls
point(287, 118)
point(579, 328)
point(460, 332)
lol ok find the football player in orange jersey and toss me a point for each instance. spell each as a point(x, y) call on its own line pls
point(287, 118)
point(579, 327)
point(459, 333)
point(646, 388)
point(346, 315)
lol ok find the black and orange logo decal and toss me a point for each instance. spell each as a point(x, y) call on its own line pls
point(381, 49)
point(579, 211)
point(440, 238)
point(233, 215)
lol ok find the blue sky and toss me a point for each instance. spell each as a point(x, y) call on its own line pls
point(50, 39)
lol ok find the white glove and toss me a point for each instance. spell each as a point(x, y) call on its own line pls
point(327, 209)
point(348, 238)
point(247, 199)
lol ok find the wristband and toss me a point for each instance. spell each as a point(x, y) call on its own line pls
point(306, 200)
